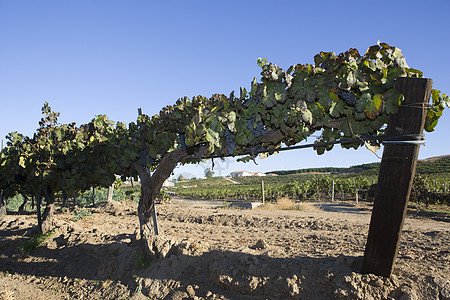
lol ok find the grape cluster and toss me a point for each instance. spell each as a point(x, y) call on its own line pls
point(259, 130)
point(347, 97)
point(145, 158)
point(230, 141)
point(182, 141)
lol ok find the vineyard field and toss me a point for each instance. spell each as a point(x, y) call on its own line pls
point(317, 184)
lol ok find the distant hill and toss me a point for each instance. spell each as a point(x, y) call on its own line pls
point(435, 158)
point(432, 165)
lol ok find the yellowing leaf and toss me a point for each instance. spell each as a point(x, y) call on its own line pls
point(375, 107)
point(334, 97)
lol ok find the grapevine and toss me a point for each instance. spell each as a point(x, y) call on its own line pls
point(340, 96)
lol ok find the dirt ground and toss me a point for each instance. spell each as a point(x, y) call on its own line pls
point(207, 252)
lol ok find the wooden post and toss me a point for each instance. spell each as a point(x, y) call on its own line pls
point(396, 176)
point(262, 192)
point(110, 193)
point(332, 191)
point(38, 211)
point(2, 207)
point(93, 195)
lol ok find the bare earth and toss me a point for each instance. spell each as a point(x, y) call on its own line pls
point(215, 253)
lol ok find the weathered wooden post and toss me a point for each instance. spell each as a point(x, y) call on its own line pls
point(93, 195)
point(110, 193)
point(2, 206)
point(332, 190)
point(396, 176)
point(262, 191)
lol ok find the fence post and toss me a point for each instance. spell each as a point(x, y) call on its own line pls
point(396, 175)
point(93, 195)
point(2, 207)
point(110, 193)
point(332, 190)
point(262, 191)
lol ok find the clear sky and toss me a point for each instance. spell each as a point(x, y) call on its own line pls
point(110, 57)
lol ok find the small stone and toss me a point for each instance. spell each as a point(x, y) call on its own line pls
point(260, 244)
point(378, 282)
point(190, 290)
point(407, 256)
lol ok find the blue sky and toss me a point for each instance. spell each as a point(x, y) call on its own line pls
point(110, 57)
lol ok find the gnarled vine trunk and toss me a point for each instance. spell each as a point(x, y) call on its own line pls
point(45, 221)
point(22, 206)
point(146, 203)
point(38, 198)
point(150, 187)
point(64, 199)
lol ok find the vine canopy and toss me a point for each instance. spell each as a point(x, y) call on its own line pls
point(341, 96)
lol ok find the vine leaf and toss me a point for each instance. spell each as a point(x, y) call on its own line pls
point(363, 102)
point(375, 107)
point(307, 116)
point(393, 100)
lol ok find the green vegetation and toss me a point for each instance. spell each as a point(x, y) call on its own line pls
point(438, 165)
point(297, 187)
point(81, 199)
point(143, 261)
point(301, 185)
point(34, 242)
point(80, 214)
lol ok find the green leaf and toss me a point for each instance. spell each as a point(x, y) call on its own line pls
point(320, 150)
point(307, 116)
point(244, 159)
point(212, 137)
point(351, 79)
point(336, 109)
point(446, 100)
point(22, 161)
point(393, 99)
point(269, 101)
point(363, 102)
point(262, 62)
point(370, 64)
point(316, 109)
